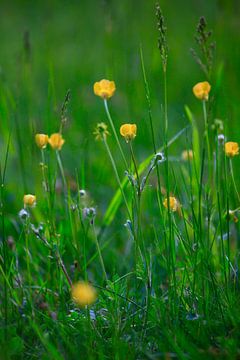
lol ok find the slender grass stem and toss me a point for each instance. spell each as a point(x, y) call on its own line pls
point(59, 160)
point(116, 175)
point(43, 166)
point(148, 98)
point(206, 135)
point(233, 180)
point(63, 268)
point(114, 132)
point(99, 252)
point(5, 257)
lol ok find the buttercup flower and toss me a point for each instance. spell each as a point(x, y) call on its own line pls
point(128, 131)
point(41, 140)
point(83, 294)
point(173, 203)
point(56, 141)
point(104, 88)
point(231, 149)
point(201, 90)
point(29, 200)
point(187, 155)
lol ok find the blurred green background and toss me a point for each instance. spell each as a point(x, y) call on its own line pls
point(48, 47)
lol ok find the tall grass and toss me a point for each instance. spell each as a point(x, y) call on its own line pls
point(163, 255)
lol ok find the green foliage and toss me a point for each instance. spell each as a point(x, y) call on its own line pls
point(166, 275)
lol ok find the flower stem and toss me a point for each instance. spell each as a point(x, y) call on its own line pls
point(206, 135)
point(62, 172)
point(114, 131)
point(233, 179)
point(45, 184)
point(99, 252)
point(116, 174)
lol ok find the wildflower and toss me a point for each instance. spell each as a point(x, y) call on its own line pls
point(231, 149)
point(83, 293)
point(56, 141)
point(104, 88)
point(101, 131)
point(173, 203)
point(29, 200)
point(187, 155)
point(201, 90)
point(128, 131)
point(41, 140)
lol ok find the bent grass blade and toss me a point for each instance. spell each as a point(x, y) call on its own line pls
point(117, 198)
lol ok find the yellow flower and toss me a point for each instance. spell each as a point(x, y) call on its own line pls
point(187, 155)
point(173, 203)
point(29, 200)
point(104, 88)
point(41, 140)
point(83, 293)
point(56, 141)
point(231, 149)
point(201, 90)
point(128, 131)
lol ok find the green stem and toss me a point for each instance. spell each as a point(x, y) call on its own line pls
point(135, 168)
point(114, 131)
point(206, 135)
point(45, 183)
point(116, 174)
point(5, 259)
point(233, 179)
point(147, 92)
point(99, 252)
point(61, 171)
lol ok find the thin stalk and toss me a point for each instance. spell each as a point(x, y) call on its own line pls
point(99, 252)
point(64, 270)
point(5, 259)
point(206, 135)
point(233, 179)
point(4, 239)
point(43, 165)
point(147, 92)
point(116, 174)
point(165, 104)
point(114, 131)
point(62, 172)
point(135, 168)
point(149, 105)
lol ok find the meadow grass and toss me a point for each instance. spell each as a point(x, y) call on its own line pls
point(130, 249)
